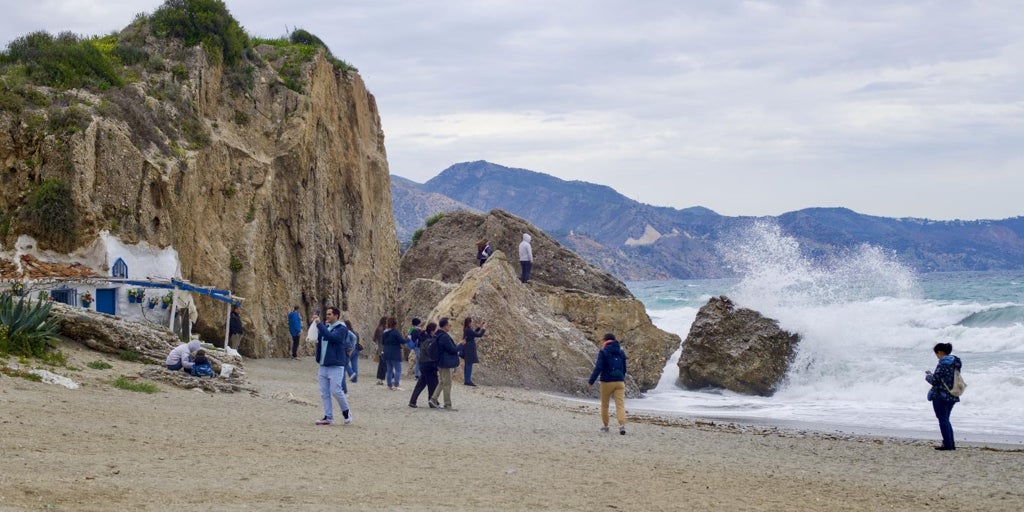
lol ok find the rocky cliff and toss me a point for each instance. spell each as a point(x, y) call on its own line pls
point(544, 334)
point(268, 176)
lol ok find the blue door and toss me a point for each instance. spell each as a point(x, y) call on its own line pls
point(106, 301)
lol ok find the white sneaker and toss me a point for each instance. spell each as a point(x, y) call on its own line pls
point(349, 419)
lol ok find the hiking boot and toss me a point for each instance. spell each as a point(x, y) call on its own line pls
point(413, 405)
point(432, 403)
point(622, 430)
point(604, 429)
point(325, 421)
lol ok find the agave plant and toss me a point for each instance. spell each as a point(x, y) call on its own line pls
point(30, 331)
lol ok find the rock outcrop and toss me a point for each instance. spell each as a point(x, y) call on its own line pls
point(280, 196)
point(544, 334)
point(735, 349)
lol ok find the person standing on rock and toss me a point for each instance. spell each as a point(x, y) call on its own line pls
point(235, 330)
point(525, 257)
point(332, 352)
point(611, 368)
point(468, 348)
point(483, 251)
point(447, 358)
point(295, 329)
point(428, 366)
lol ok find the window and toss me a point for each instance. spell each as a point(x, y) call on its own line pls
point(67, 296)
point(120, 269)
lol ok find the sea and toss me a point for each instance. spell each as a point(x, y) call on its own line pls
point(868, 324)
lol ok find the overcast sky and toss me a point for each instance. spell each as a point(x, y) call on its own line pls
point(898, 109)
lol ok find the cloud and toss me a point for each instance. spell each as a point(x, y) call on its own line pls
point(897, 109)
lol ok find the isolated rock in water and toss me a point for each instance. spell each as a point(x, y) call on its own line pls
point(736, 349)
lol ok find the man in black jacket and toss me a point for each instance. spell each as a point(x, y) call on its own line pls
point(448, 358)
point(235, 330)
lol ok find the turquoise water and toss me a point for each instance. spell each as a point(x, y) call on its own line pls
point(868, 326)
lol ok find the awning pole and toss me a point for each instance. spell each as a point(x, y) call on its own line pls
point(227, 328)
point(174, 308)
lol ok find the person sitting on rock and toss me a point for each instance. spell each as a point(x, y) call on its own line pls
point(180, 357)
point(201, 365)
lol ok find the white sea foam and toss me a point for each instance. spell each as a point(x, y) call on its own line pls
point(868, 328)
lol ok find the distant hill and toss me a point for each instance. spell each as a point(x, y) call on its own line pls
point(412, 205)
point(639, 241)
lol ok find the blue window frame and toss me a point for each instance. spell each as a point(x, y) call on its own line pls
point(67, 296)
point(120, 269)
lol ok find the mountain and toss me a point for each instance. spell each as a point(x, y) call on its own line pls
point(412, 205)
point(638, 241)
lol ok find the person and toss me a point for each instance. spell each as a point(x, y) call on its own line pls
point(447, 358)
point(611, 367)
point(428, 367)
point(525, 257)
point(468, 349)
point(295, 329)
point(353, 360)
point(235, 330)
point(942, 400)
point(415, 337)
point(201, 366)
point(483, 251)
point(332, 351)
point(180, 357)
point(392, 341)
point(379, 349)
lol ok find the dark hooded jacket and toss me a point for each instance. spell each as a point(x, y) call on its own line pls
point(942, 379)
point(605, 367)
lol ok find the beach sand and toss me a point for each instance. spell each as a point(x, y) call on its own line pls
point(103, 448)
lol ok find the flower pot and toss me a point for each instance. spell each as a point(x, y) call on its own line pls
point(86, 303)
point(131, 299)
point(151, 306)
point(164, 306)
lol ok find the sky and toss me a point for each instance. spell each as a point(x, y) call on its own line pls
point(896, 109)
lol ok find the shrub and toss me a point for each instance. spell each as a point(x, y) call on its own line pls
point(51, 215)
point(65, 121)
point(236, 265)
point(194, 131)
point(128, 54)
point(416, 236)
point(99, 365)
point(129, 355)
point(27, 329)
point(434, 218)
point(205, 22)
point(128, 384)
point(66, 61)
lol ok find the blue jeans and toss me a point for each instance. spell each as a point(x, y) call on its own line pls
point(942, 410)
point(353, 365)
point(394, 371)
point(416, 369)
point(467, 372)
point(527, 266)
point(332, 381)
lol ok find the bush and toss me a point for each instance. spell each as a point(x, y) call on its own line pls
point(51, 215)
point(64, 62)
point(205, 22)
point(416, 237)
point(25, 327)
point(65, 121)
point(434, 218)
point(99, 365)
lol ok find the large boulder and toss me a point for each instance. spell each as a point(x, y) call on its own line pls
point(735, 349)
point(534, 330)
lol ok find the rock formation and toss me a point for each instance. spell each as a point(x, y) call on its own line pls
point(275, 187)
point(735, 349)
point(544, 334)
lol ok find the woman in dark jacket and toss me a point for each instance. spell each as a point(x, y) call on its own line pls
point(379, 350)
point(393, 341)
point(468, 348)
point(942, 400)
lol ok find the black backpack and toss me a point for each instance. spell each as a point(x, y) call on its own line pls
point(428, 348)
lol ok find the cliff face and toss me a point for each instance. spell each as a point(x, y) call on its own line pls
point(281, 196)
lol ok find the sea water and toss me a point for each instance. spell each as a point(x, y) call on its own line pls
point(868, 325)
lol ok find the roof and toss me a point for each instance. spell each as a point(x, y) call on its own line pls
point(32, 268)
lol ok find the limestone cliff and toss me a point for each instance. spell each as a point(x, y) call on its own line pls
point(270, 178)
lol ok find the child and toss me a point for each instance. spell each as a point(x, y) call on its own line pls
point(201, 365)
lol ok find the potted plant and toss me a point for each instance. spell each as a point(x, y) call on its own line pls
point(44, 295)
point(153, 302)
point(165, 302)
point(86, 299)
point(136, 295)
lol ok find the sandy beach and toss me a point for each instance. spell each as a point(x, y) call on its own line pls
point(103, 448)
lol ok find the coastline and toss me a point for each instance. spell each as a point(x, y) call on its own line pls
point(101, 448)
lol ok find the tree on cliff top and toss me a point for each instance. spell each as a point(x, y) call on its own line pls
point(205, 22)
